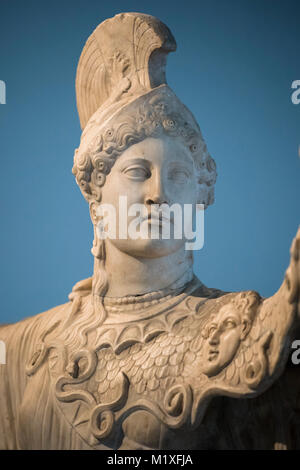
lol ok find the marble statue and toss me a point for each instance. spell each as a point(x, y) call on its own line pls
point(144, 355)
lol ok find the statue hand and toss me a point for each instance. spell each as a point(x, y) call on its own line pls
point(292, 275)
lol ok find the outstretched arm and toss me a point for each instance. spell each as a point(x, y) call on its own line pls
point(281, 312)
point(292, 276)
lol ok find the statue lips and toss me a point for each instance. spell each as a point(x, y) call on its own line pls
point(157, 219)
point(213, 354)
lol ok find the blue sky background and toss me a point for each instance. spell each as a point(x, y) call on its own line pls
point(233, 68)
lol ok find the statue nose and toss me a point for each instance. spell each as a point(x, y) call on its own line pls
point(156, 191)
point(156, 200)
point(215, 338)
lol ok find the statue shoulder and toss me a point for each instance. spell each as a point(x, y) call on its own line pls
point(25, 333)
point(22, 348)
point(223, 297)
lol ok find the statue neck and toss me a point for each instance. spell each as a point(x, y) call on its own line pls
point(128, 275)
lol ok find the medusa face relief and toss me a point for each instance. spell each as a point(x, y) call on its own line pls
point(152, 172)
point(223, 336)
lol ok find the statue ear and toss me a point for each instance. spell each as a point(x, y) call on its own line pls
point(245, 328)
point(205, 195)
point(93, 206)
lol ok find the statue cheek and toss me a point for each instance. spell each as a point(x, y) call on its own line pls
point(230, 344)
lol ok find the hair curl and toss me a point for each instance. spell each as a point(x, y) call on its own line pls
point(152, 119)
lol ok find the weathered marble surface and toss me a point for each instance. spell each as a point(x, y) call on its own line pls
point(144, 356)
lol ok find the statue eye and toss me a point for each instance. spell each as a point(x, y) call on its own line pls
point(137, 172)
point(230, 324)
point(211, 330)
point(179, 175)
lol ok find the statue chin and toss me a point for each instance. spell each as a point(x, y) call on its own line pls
point(147, 248)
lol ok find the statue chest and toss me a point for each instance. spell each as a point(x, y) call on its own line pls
point(137, 398)
point(145, 384)
point(130, 398)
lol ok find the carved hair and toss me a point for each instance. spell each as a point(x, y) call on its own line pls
point(245, 303)
point(152, 119)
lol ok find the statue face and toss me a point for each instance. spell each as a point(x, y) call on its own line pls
point(154, 171)
point(225, 333)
